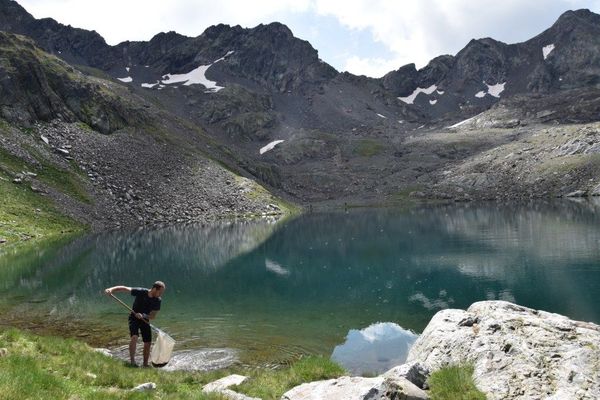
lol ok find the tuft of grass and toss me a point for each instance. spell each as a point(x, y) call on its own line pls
point(273, 384)
point(454, 382)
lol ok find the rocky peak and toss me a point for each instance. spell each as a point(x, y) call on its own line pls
point(13, 17)
point(573, 19)
point(402, 81)
point(268, 54)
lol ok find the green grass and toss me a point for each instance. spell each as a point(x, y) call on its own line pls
point(272, 384)
point(39, 367)
point(64, 180)
point(26, 215)
point(454, 382)
point(368, 148)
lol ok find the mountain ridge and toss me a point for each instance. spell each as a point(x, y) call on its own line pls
point(333, 137)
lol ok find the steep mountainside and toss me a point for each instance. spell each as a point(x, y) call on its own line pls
point(269, 108)
point(105, 156)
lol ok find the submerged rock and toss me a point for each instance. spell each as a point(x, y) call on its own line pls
point(517, 352)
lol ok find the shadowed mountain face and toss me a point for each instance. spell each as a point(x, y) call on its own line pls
point(335, 136)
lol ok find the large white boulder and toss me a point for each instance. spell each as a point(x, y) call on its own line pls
point(517, 352)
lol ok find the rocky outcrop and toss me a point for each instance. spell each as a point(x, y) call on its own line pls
point(37, 86)
point(517, 352)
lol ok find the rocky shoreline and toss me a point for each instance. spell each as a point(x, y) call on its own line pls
point(517, 353)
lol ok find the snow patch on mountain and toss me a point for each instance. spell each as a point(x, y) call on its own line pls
point(196, 76)
point(127, 79)
point(410, 99)
point(381, 116)
point(270, 146)
point(493, 90)
point(546, 50)
point(432, 102)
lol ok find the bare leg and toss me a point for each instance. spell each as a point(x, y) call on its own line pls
point(132, 345)
point(146, 353)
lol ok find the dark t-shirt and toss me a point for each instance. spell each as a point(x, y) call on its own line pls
point(143, 303)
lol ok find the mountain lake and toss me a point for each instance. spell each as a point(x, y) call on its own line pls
point(356, 285)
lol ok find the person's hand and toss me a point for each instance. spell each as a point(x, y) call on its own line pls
point(139, 315)
point(108, 291)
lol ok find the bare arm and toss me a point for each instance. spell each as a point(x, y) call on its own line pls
point(116, 289)
point(152, 314)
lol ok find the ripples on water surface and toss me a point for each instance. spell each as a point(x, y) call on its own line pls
point(271, 291)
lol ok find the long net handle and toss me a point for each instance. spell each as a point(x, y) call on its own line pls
point(121, 302)
point(130, 309)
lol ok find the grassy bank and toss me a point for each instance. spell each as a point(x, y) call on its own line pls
point(26, 215)
point(36, 367)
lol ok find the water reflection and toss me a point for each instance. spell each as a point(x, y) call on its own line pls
point(374, 349)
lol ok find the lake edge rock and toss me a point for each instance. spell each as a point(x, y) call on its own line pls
point(517, 352)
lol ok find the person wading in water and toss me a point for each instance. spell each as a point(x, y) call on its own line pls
point(145, 306)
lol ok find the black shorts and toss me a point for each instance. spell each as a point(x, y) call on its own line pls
point(136, 325)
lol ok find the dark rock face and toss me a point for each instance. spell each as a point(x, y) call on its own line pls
point(36, 86)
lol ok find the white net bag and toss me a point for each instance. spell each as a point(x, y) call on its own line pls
point(162, 349)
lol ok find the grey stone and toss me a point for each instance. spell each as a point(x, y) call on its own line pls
point(222, 385)
point(416, 373)
point(144, 387)
point(104, 351)
point(357, 388)
point(517, 352)
point(577, 193)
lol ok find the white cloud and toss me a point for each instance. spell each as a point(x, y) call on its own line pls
point(416, 31)
point(409, 30)
point(374, 67)
point(118, 20)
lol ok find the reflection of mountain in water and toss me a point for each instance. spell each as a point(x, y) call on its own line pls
point(374, 349)
point(185, 248)
point(132, 257)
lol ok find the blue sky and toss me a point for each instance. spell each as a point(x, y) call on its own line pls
point(363, 37)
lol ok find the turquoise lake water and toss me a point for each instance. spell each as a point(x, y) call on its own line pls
point(353, 284)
